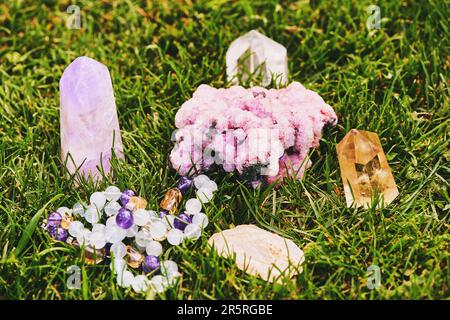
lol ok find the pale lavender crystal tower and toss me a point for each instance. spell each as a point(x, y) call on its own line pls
point(89, 124)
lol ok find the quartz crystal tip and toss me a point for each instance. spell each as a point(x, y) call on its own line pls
point(364, 169)
point(89, 124)
point(257, 51)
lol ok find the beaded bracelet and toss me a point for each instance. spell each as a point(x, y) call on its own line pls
point(130, 229)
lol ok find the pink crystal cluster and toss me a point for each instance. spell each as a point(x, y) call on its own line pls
point(264, 134)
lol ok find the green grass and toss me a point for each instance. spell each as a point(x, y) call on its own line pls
point(393, 81)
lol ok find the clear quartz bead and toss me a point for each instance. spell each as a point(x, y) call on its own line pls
point(98, 199)
point(112, 193)
point(192, 231)
point(200, 219)
point(154, 248)
point(175, 237)
point(112, 208)
point(193, 206)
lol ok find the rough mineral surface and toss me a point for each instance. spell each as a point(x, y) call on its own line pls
point(264, 134)
point(89, 124)
point(259, 252)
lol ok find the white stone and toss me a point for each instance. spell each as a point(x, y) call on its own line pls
point(78, 209)
point(200, 219)
point(98, 199)
point(154, 248)
point(192, 231)
point(159, 283)
point(193, 206)
point(200, 180)
point(112, 208)
point(204, 195)
point(112, 193)
point(259, 252)
point(92, 215)
point(140, 283)
point(175, 237)
point(114, 234)
point(64, 211)
point(262, 52)
point(119, 249)
point(158, 230)
point(76, 228)
point(141, 217)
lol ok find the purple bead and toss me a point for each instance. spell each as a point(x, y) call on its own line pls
point(58, 233)
point(125, 196)
point(182, 221)
point(54, 219)
point(124, 218)
point(150, 264)
point(184, 185)
point(163, 213)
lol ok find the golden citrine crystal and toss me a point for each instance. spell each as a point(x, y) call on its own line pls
point(133, 258)
point(136, 203)
point(171, 200)
point(364, 169)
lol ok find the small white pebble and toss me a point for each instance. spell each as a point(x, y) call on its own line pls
point(119, 250)
point(200, 219)
point(140, 283)
point(154, 248)
point(112, 208)
point(175, 237)
point(193, 206)
point(78, 209)
point(158, 230)
point(204, 195)
point(192, 231)
point(125, 279)
point(112, 193)
point(211, 185)
point(76, 228)
point(98, 199)
point(141, 217)
point(168, 268)
point(142, 238)
point(200, 180)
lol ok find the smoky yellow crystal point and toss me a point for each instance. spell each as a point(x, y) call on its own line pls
point(364, 169)
point(171, 200)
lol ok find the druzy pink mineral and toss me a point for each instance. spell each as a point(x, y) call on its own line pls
point(89, 124)
point(264, 134)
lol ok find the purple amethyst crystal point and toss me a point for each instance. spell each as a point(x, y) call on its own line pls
point(184, 185)
point(89, 124)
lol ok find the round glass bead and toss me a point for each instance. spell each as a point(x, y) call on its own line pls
point(54, 219)
point(124, 218)
point(119, 250)
point(182, 221)
point(150, 264)
point(125, 196)
point(98, 199)
point(200, 180)
point(158, 230)
point(78, 209)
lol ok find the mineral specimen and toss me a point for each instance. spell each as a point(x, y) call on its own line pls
point(364, 169)
point(259, 252)
point(263, 134)
point(253, 53)
point(89, 124)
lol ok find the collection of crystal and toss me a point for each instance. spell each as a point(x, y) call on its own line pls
point(132, 235)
